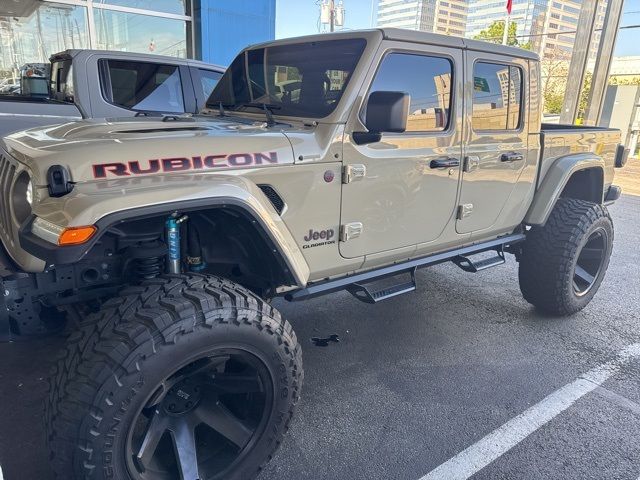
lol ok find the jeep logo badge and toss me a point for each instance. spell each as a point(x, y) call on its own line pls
point(322, 237)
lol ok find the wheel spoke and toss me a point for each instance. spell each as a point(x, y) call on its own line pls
point(155, 430)
point(590, 254)
point(235, 383)
point(219, 418)
point(210, 363)
point(583, 275)
point(184, 443)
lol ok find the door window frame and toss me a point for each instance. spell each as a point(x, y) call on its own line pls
point(451, 121)
point(523, 96)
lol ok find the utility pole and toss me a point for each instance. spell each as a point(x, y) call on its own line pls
point(332, 22)
point(505, 34)
point(332, 14)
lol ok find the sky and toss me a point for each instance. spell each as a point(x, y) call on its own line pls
point(300, 17)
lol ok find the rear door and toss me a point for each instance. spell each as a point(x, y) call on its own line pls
point(404, 187)
point(496, 150)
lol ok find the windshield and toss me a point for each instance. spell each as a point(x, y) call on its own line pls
point(299, 80)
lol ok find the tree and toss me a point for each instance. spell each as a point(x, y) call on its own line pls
point(554, 70)
point(495, 33)
point(622, 80)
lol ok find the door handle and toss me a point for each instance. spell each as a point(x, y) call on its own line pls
point(511, 157)
point(445, 163)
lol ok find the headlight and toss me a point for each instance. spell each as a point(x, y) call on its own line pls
point(22, 197)
point(29, 193)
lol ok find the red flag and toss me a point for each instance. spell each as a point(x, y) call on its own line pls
point(509, 5)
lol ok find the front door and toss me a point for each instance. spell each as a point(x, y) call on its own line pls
point(496, 153)
point(404, 187)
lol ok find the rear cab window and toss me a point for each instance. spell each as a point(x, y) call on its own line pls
point(142, 86)
point(427, 79)
point(497, 97)
point(62, 80)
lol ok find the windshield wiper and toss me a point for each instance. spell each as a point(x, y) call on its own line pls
point(267, 108)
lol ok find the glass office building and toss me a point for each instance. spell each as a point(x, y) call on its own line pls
point(210, 30)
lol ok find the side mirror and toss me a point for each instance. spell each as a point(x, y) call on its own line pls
point(386, 112)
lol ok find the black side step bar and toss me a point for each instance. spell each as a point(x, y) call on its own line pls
point(468, 265)
point(361, 292)
point(354, 282)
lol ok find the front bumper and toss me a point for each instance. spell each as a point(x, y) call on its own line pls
point(50, 253)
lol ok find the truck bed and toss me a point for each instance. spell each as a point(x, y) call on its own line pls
point(557, 140)
point(22, 113)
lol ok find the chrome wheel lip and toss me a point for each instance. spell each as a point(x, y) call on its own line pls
point(264, 375)
point(587, 271)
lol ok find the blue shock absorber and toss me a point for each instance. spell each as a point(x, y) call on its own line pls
point(173, 242)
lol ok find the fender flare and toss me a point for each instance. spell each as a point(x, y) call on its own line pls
point(554, 182)
point(240, 195)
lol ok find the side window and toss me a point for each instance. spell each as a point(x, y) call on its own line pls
point(428, 81)
point(143, 86)
point(208, 81)
point(497, 97)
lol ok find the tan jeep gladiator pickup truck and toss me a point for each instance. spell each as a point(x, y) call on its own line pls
point(320, 164)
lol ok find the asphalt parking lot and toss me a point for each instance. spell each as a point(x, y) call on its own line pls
point(461, 378)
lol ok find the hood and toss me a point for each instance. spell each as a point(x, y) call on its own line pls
point(94, 150)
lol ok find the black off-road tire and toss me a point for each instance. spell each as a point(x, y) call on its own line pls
point(551, 252)
point(113, 364)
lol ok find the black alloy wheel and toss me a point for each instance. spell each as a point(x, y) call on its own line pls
point(563, 262)
point(185, 377)
point(590, 261)
point(202, 419)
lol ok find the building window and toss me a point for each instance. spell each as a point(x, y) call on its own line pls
point(29, 36)
point(134, 32)
point(497, 97)
point(427, 80)
point(32, 31)
point(178, 7)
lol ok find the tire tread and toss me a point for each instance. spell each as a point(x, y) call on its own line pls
point(163, 310)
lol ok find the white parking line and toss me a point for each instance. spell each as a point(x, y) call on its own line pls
point(1, 476)
point(504, 438)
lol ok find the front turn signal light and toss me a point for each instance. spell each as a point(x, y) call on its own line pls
point(76, 235)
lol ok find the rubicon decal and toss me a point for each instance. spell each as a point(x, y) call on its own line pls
point(325, 235)
point(182, 164)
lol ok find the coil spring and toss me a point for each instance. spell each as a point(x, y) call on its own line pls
point(149, 267)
